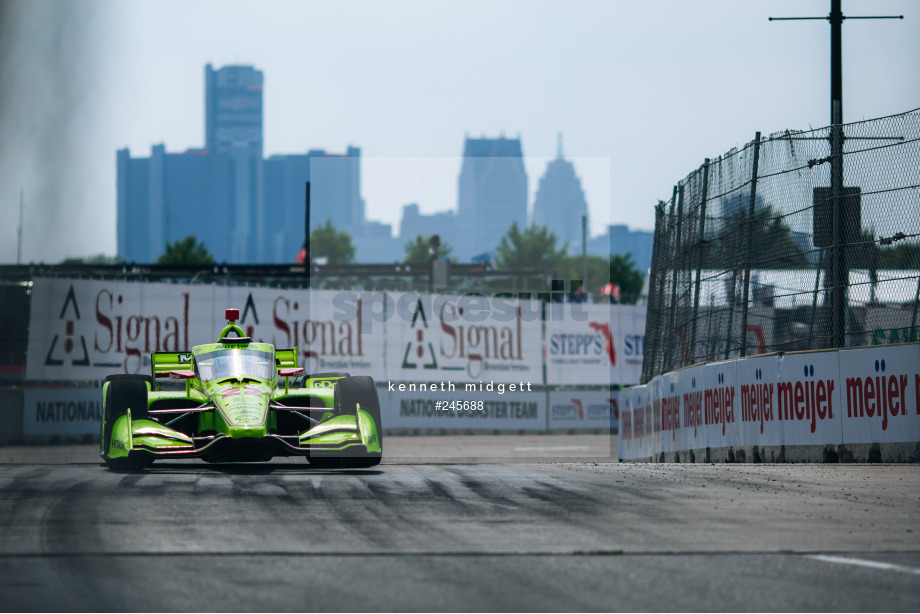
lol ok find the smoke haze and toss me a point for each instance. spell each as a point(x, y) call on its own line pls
point(50, 106)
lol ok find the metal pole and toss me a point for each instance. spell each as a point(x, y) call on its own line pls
point(731, 298)
point(699, 258)
point(675, 263)
point(747, 256)
point(308, 262)
point(584, 254)
point(19, 233)
point(913, 317)
point(651, 359)
point(838, 281)
point(814, 300)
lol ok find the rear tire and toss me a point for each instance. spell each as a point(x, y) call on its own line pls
point(309, 376)
point(124, 392)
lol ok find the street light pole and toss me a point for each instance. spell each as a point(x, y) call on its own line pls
point(838, 274)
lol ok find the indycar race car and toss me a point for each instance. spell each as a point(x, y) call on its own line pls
point(235, 407)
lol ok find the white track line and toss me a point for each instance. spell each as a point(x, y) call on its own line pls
point(864, 563)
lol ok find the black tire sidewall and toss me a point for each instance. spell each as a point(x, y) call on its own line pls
point(123, 392)
point(350, 392)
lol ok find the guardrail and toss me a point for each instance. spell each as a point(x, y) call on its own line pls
point(847, 405)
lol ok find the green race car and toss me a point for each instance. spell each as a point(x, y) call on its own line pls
point(239, 404)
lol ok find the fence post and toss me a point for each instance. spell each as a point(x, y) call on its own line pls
point(814, 300)
point(699, 259)
point(747, 256)
point(913, 317)
point(653, 308)
point(675, 262)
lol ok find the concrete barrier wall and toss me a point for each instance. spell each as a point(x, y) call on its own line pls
point(10, 416)
point(856, 405)
point(70, 413)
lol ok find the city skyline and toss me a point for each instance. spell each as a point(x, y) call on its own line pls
point(642, 93)
point(245, 207)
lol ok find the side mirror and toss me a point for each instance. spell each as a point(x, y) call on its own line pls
point(287, 374)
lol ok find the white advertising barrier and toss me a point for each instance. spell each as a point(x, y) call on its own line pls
point(408, 408)
point(463, 338)
point(880, 394)
point(60, 411)
point(88, 329)
point(333, 331)
point(594, 344)
point(853, 396)
point(631, 320)
point(583, 409)
point(636, 437)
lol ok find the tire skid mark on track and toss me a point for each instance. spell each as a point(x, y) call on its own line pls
point(17, 496)
point(415, 528)
point(61, 530)
point(327, 498)
point(380, 516)
point(484, 490)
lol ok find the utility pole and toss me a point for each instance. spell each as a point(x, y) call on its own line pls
point(838, 277)
point(584, 255)
point(19, 233)
point(308, 262)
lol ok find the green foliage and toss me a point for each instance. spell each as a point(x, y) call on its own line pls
point(625, 274)
point(868, 254)
point(418, 250)
point(186, 251)
point(327, 242)
point(94, 260)
point(532, 248)
point(772, 243)
point(905, 256)
point(572, 269)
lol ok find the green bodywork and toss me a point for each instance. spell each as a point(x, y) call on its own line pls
point(245, 409)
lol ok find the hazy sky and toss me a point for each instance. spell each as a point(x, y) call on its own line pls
point(642, 92)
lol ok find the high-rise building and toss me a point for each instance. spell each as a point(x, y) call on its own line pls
point(415, 223)
point(621, 240)
point(492, 194)
point(244, 208)
point(233, 127)
point(168, 196)
point(738, 203)
point(233, 109)
point(559, 203)
point(335, 195)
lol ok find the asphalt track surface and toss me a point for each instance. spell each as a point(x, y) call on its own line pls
point(482, 527)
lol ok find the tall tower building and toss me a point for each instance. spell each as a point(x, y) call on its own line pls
point(233, 109)
point(492, 194)
point(243, 207)
point(233, 127)
point(560, 202)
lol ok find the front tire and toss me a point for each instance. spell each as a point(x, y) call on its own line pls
point(350, 392)
point(124, 392)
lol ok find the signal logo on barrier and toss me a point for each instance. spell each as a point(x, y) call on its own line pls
point(70, 314)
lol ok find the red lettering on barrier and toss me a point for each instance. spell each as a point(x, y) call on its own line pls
point(877, 396)
point(808, 401)
point(626, 425)
point(670, 415)
point(693, 409)
point(719, 406)
point(757, 403)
